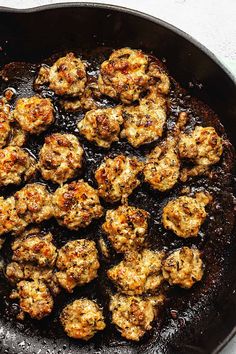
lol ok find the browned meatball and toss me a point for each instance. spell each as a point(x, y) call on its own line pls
point(76, 205)
point(101, 126)
point(34, 298)
point(67, 76)
point(77, 263)
point(124, 75)
point(126, 228)
point(183, 267)
point(133, 315)
point(144, 123)
point(82, 318)
point(60, 158)
point(117, 178)
point(33, 203)
point(138, 273)
point(16, 165)
point(34, 114)
point(15, 272)
point(185, 215)
point(9, 218)
point(34, 246)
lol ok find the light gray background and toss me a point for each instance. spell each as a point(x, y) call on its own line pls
point(211, 22)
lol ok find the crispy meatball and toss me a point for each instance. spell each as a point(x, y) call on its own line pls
point(203, 146)
point(5, 129)
point(162, 166)
point(161, 171)
point(33, 203)
point(117, 177)
point(124, 75)
point(34, 246)
point(34, 114)
point(77, 263)
point(76, 205)
point(67, 76)
point(133, 315)
point(60, 157)
point(9, 219)
point(185, 215)
point(81, 319)
point(144, 123)
point(126, 228)
point(16, 165)
point(183, 267)
point(15, 272)
point(34, 298)
point(138, 273)
point(101, 126)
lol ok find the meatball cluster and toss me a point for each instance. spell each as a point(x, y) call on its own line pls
point(76, 205)
point(118, 177)
point(77, 263)
point(126, 228)
point(60, 158)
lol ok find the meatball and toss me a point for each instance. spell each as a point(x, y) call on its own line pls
point(162, 166)
point(133, 315)
point(126, 228)
point(9, 219)
point(81, 319)
point(138, 273)
point(77, 263)
point(76, 205)
point(117, 177)
point(161, 171)
point(185, 215)
point(16, 165)
point(144, 123)
point(101, 126)
point(124, 75)
point(15, 272)
point(34, 246)
point(34, 298)
point(5, 129)
point(60, 158)
point(34, 114)
point(183, 267)
point(33, 203)
point(67, 76)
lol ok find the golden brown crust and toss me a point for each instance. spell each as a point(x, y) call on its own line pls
point(77, 263)
point(185, 215)
point(183, 267)
point(138, 273)
point(102, 126)
point(126, 228)
point(81, 319)
point(76, 205)
point(133, 315)
point(117, 177)
point(16, 165)
point(9, 218)
point(60, 158)
point(34, 114)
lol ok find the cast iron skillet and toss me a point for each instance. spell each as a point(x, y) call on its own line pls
point(35, 34)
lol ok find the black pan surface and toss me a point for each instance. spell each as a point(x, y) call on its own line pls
point(206, 314)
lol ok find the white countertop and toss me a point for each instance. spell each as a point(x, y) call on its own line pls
point(211, 22)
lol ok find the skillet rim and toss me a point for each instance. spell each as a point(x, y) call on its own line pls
point(150, 18)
